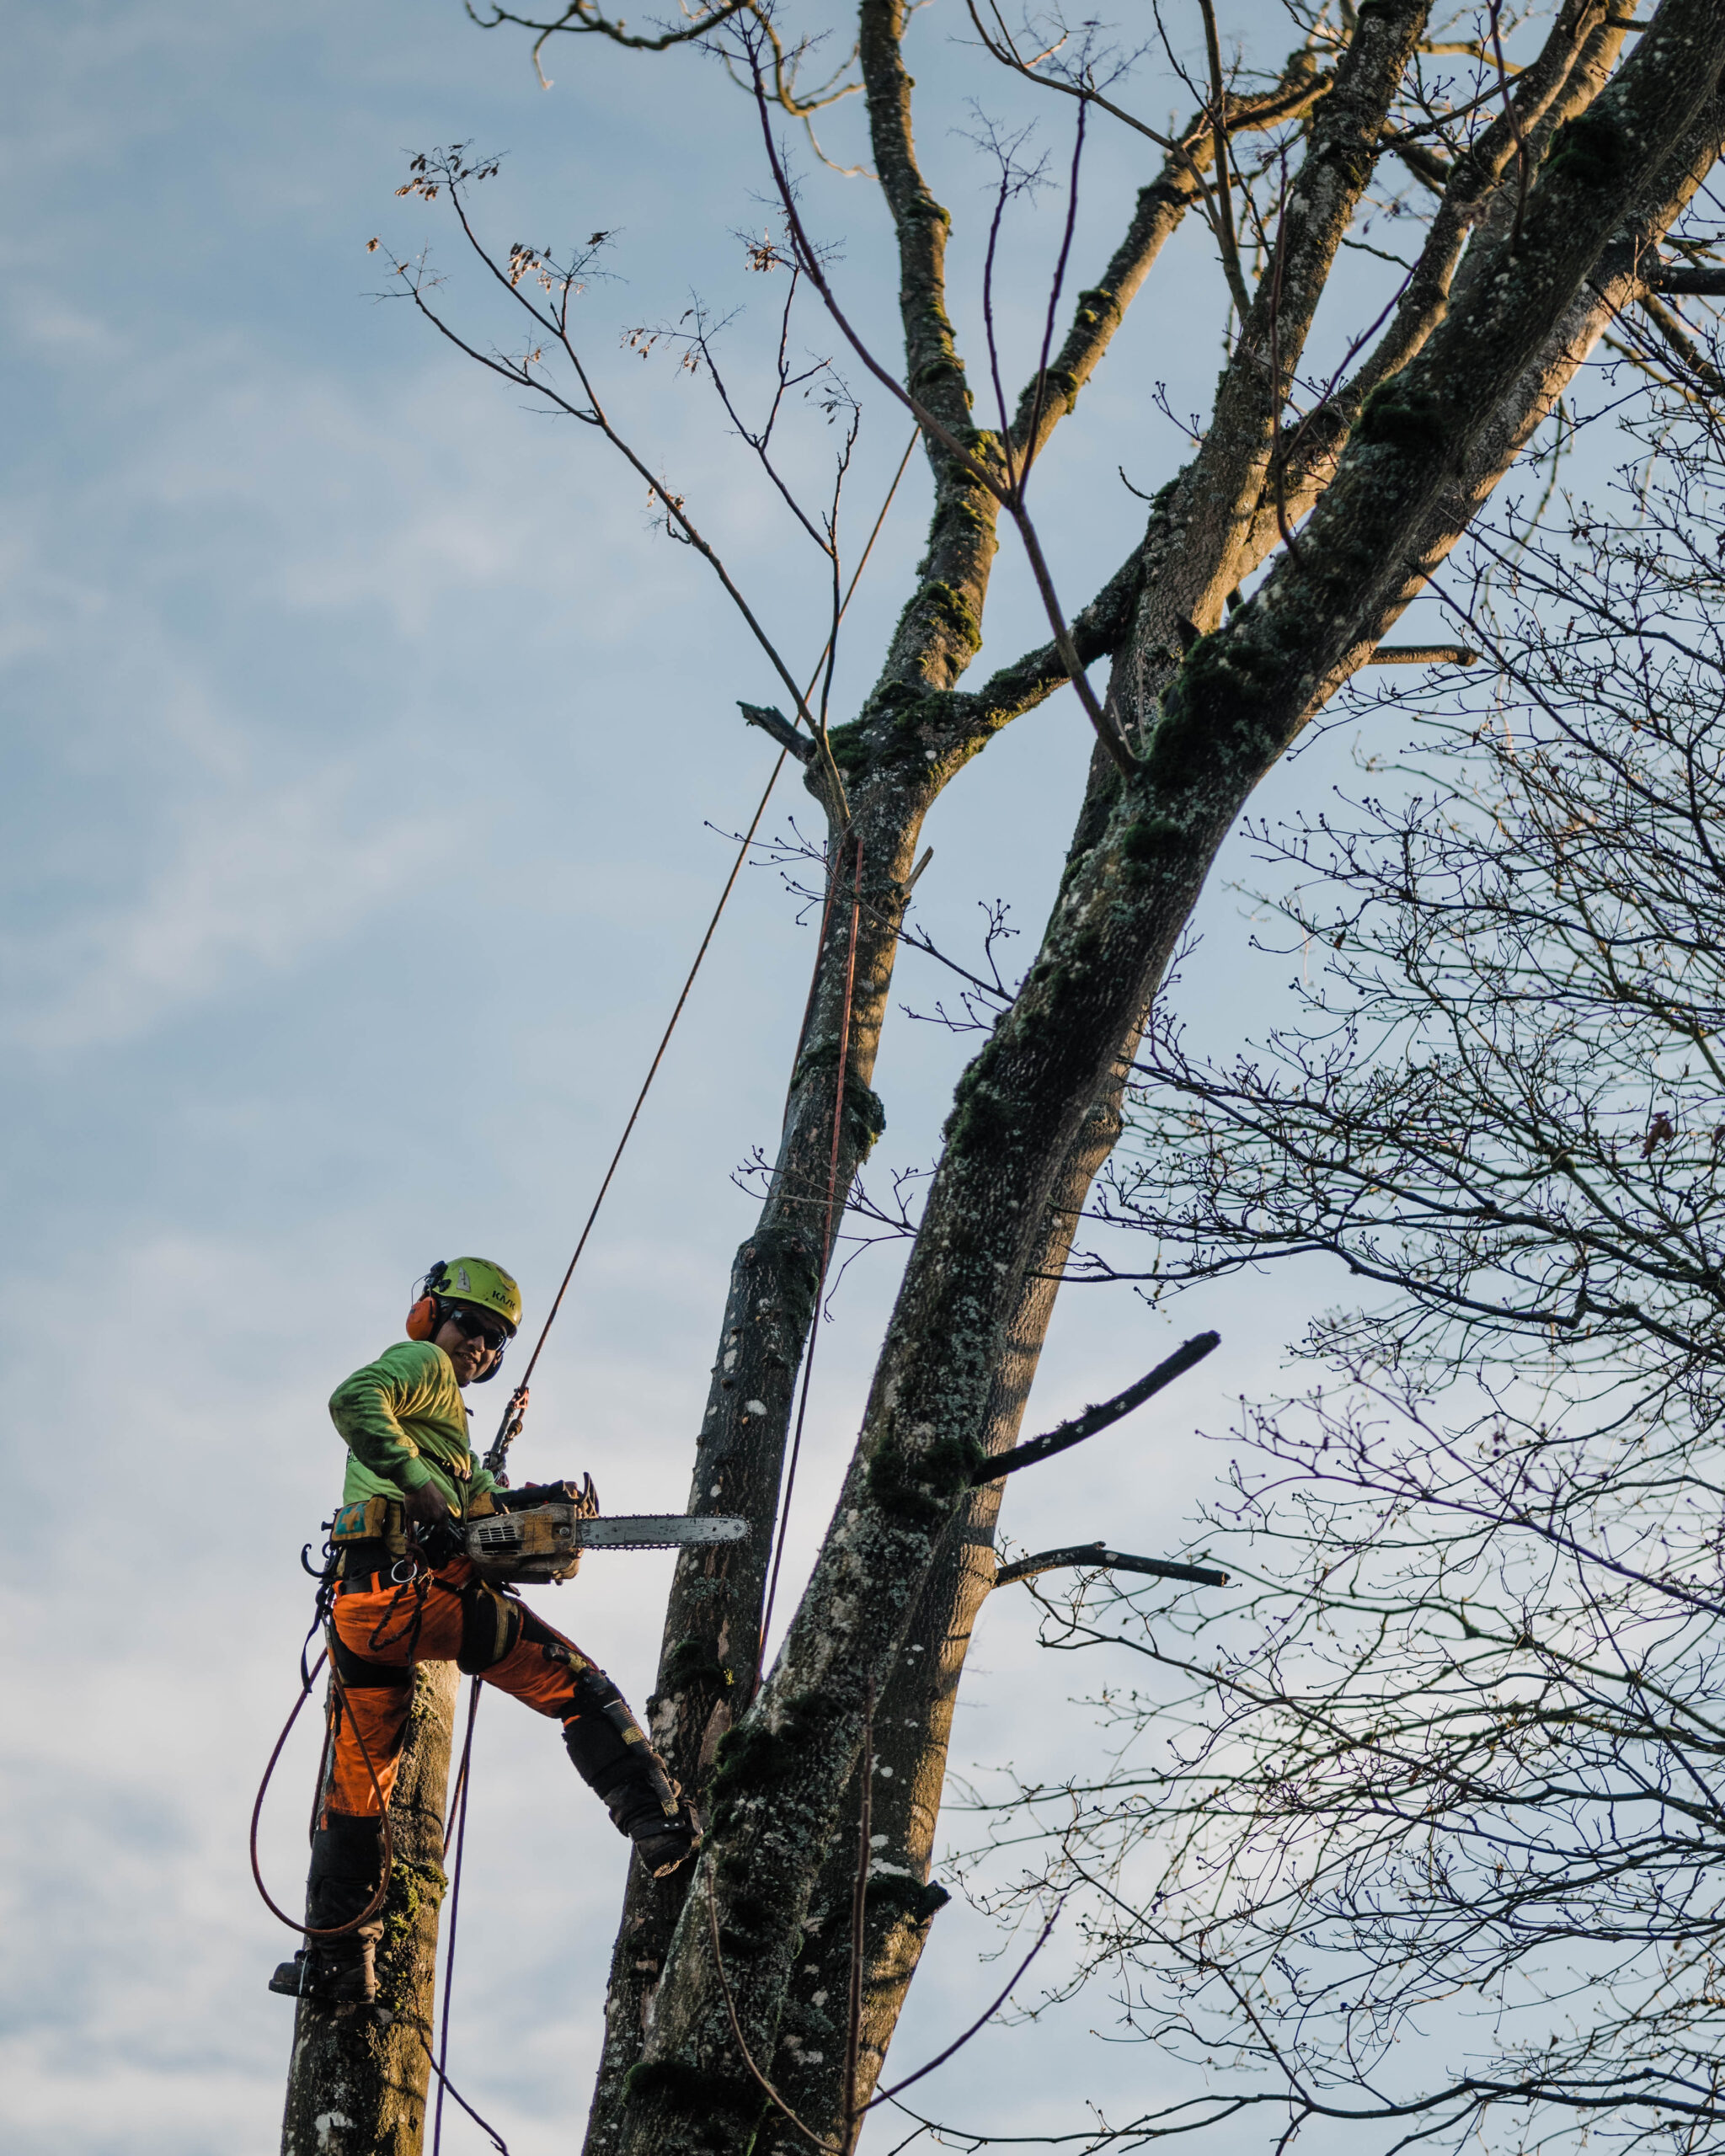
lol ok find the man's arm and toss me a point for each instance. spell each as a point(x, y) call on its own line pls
point(365, 1408)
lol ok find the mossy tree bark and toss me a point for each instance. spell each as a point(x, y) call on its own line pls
point(912, 1728)
point(357, 2079)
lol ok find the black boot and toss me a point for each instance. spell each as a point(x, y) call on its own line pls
point(662, 1842)
point(612, 1756)
point(346, 1863)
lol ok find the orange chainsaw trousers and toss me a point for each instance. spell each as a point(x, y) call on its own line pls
point(382, 1631)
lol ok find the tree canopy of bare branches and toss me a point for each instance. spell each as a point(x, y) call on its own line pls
point(1448, 1767)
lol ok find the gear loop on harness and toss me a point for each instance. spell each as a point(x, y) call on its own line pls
point(418, 1585)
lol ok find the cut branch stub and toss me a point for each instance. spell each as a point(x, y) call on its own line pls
point(1098, 1418)
point(813, 752)
point(1698, 284)
point(775, 722)
point(1424, 655)
point(1098, 1556)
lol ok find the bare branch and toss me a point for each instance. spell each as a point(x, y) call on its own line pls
point(1423, 654)
point(1107, 731)
point(1698, 284)
point(780, 727)
point(583, 18)
point(1097, 1556)
point(1093, 1419)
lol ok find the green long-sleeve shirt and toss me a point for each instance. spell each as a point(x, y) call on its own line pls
point(405, 1426)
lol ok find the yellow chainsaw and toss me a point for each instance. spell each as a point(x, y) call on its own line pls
point(541, 1542)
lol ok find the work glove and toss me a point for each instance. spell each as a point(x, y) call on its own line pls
point(439, 1542)
point(663, 1844)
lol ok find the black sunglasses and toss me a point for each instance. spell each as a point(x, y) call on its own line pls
point(477, 1326)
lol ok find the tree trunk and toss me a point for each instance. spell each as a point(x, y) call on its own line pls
point(1237, 701)
point(898, 756)
point(357, 2081)
point(914, 736)
point(953, 1593)
point(711, 1638)
point(913, 1722)
point(914, 1715)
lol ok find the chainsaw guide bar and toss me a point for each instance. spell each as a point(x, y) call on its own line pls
point(545, 1542)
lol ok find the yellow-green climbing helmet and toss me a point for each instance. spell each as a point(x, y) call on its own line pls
point(478, 1281)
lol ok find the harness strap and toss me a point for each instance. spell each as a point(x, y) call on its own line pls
point(384, 1582)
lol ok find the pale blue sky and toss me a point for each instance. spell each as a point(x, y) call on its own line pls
point(362, 741)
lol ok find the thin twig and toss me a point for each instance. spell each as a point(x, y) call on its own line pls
point(958, 2043)
point(1003, 195)
point(1107, 733)
point(1218, 127)
point(1054, 298)
point(1253, 112)
point(557, 322)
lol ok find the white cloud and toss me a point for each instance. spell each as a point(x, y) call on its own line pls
point(254, 881)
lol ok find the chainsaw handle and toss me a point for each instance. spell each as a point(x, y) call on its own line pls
point(583, 1497)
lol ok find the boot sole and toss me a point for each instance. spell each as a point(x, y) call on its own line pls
point(286, 1984)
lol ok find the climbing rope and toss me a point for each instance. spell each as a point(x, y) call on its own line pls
point(307, 1678)
point(458, 1817)
point(509, 1429)
point(443, 2082)
point(832, 1181)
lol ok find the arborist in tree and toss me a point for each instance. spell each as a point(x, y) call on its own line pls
point(403, 1592)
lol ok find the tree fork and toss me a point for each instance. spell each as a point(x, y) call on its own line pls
point(1238, 700)
point(909, 751)
point(913, 1726)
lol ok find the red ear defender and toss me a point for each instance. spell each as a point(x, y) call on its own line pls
point(422, 1318)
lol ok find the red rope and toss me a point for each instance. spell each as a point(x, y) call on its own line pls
point(370, 1909)
point(442, 2061)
